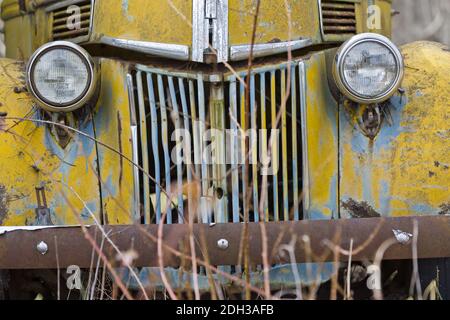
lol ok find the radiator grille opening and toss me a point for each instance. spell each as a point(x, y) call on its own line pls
point(68, 26)
point(338, 17)
point(166, 103)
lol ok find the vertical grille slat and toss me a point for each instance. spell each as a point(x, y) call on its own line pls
point(155, 147)
point(165, 146)
point(338, 17)
point(195, 128)
point(284, 146)
point(205, 204)
point(64, 21)
point(274, 114)
point(244, 152)
point(254, 148)
point(294, 119)
point(304, 142)
point(264, 140)
point(233, 151)
point(218, 166)
point(187, 154)
point(175, 115)
point(144, 144)
point(224, 191)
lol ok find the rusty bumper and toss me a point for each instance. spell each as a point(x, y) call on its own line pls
point(311, 241)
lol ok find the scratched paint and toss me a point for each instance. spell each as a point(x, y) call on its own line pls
point(125, 7)
point(145, 20)
point(34, 158)
point(403, 171)
point(273, 21)
point(171, 22)
point(396, 173)
point(112, 113)
point(321, 126)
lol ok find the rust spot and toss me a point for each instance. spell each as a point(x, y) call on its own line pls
point(360, 209)
point(3, 204)
point(445, 209)
point(437, 164)
point(371, 120)
point(17, 90)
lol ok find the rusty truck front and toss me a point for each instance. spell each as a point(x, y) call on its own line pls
point(157, 139)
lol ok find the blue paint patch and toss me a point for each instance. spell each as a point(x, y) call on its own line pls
point(125, 7)
point(87, 143)
point(333, 202)
point(92, 207)
point(390, 132)
point(385, 198)
point(317, 214)
point(422, 208)
point(366, 152)
point(111, 186)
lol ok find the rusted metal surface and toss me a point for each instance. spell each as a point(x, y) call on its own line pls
point(394, 156)
point(18, 249)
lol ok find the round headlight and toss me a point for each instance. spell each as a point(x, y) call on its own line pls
point(61, 76)
point(368, 68)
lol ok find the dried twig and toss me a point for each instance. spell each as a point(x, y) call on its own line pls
point(415, 280)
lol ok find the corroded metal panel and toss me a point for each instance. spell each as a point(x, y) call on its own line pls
point(433, 241)
point(157, 21)
point(114, 122)
point(401, 167)
point(321, 146)
point(38, 157)
point(273, 21)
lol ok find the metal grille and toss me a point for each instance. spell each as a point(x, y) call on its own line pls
point(338, 17)
point(65, 27)
point(167, 102)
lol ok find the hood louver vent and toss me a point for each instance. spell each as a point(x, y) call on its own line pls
point(65, 22)
point(338, 17)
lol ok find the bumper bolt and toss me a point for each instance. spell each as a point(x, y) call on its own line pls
point(42, 248)
point(223, 244)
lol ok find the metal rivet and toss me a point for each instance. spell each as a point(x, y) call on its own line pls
point(42, 247)
point(222, 244)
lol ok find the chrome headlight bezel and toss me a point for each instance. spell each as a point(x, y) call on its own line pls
point(338, 68)
point(82, 99)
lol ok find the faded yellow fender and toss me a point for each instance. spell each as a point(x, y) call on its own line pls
point(404, 170)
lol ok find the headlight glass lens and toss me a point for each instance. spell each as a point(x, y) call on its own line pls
point(370, 69)
point(61, 76)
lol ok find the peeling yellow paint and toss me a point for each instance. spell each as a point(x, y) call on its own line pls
point(156, 21)
point(322, 139)
point(31, 157)
point(113, 128)
point(404, 170)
